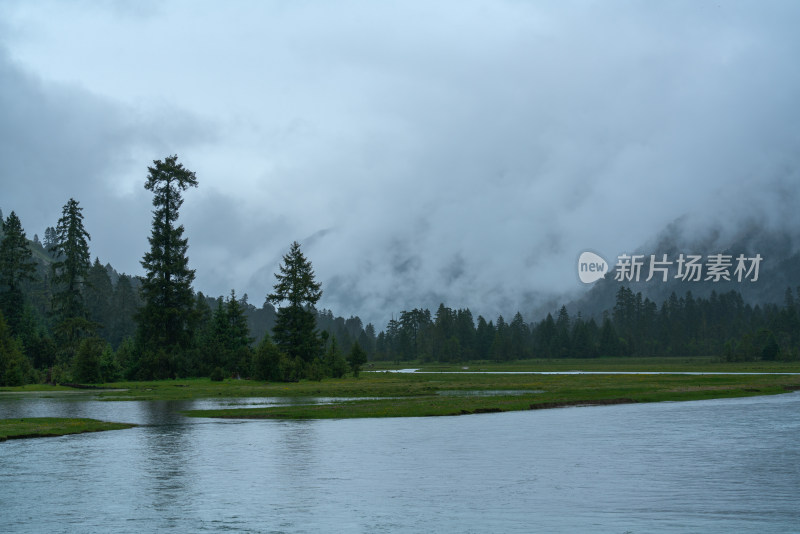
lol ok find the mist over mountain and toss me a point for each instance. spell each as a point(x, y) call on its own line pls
point(769, 230)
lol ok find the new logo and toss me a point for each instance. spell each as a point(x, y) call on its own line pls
point(591, 267)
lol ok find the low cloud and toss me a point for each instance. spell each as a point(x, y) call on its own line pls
point(456, 152)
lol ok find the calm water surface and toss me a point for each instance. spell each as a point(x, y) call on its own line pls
point(709, 466)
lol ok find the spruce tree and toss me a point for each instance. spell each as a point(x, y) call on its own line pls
point(229, 338)
point(163, 321)
point(239, 331)
point(70, 250)
point(295, 328)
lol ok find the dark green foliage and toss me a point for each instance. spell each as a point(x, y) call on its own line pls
point(42, 350)
point(335, 327)
point(236, 336)
point(334, 361)
point(50, 238)
point(609, 344)
point(127, 358)
point(28, 328)
point(164, 320)
point(213, 349)
point(370, 339)
point(561, 346)
point(267, 361)
point(71, 330)
point(260, 321)
point(501, 346)
point(156, 364)
point(296, 282)
point(519, 338)
point(443, 343)
point(124, 304)
point(295, 332)
point(70, 250)
point(15, 369)
point(315, 370)
point(484, 335)
point(722, 325)
point(238, 331)
point(584, 336)
point(87, 366)
point(272, 364)
point(295, 329)
point(224, 339)
point(99, 294)
point(356, 359)
point(770, 348)
point(413, 344)
point(217, 375)
point(16, 263)
point(16, 267)
point(110, 369)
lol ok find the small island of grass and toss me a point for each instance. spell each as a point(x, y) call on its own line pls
point(423, 395)
point(45, 427)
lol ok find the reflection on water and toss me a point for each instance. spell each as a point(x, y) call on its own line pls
point(712, 466)
point(164, 469)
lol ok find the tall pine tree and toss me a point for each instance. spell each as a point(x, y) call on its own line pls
point(163, 321)
point(70, 250)
point(295, 328)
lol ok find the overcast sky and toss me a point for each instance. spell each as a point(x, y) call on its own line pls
point(420, 151)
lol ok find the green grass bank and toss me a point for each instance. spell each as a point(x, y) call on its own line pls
point(457, 394)
point(45, 427)
point(459, 389)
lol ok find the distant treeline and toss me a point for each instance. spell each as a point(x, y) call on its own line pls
point(66, 319)
point(721, 325)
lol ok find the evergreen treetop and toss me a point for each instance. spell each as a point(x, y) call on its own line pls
point(295, 327)
point(296, 281)
point(70, 250)
point(167, 286)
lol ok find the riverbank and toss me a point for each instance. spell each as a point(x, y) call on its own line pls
point(46, 427)
point(465, 388)
point(460, 394)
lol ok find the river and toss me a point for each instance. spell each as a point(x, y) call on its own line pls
point(728, 465)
